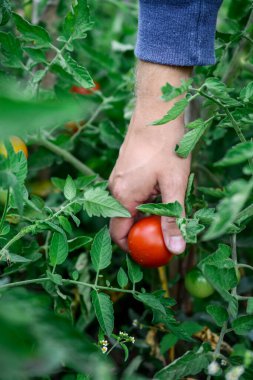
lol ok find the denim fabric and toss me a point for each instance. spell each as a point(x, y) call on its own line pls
point(177, 32)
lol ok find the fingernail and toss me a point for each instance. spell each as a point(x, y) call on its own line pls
point(176, 244)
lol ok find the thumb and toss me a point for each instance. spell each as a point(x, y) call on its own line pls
point(173, 238)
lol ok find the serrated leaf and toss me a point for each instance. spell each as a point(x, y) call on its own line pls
point(216, 193)
point(77, 21)
point(190, 139)
point(69, 189)
point(104, 311)
point(173, 113)
point(37, 34)
point(151, 301)
point(122, 278)
point(218, 313)
point(229, 208)
point(110, 135)
point(101, 250)
point(191, 363)
point(58, 249)
point(237, 154)
point(79, 73)
point(79, 242)
point(65, 224)
point(98, 202)
point(243, 325)
point(205, 215)
point(134, 271)
point(246, 93)
point(189, 228)
point(170, 92)
point(162, 209)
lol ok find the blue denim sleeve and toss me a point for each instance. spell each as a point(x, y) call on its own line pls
point(177, 32)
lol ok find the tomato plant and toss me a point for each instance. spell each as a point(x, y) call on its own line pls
point(73, 306)
point(146, 244)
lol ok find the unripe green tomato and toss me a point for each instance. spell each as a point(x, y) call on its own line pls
point(197, 285)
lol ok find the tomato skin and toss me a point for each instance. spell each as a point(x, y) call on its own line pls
point(197, 285)
point(146, 244)
point(85, 91)
point(18, 145)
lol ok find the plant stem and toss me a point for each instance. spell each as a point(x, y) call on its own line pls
point(66, 282)
point(234, 258)
point(67, 156)
point(245, 266)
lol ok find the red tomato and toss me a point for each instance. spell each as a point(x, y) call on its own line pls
point(146, 244)
point(85, 91)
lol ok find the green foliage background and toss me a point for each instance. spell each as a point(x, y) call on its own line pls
point(72, 305)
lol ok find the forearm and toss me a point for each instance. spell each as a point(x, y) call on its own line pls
point(150, 77)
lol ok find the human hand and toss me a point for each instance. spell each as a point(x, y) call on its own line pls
point(147, 164)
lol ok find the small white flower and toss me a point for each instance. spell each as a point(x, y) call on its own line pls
point(213, 368)
point(224, 362)
point(235, 373)
point(135, 323)
point(104, 349)
point(103, 342)
point(123, 334)
point(132, 339)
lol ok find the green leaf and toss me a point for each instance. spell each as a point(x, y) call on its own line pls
point(98, 202)
point(101, 250)
point(151, 301)
point(69, 189)
point(189, 194)
point(212, 192)
point(65, 224)
point(243, 325)
point(191, 363)
point(163, 209)
point(32, 114)
point(218, 313)
point(55, 278)
point(79, 73)
point(104, 311)
point(11, 53)
point(228, 208)
point(237, 154)
point(110, 135)
point(134, 271)
point(219, 270)
point(190, 139)
point(245, 214)
point(5, 12)
point(250, 306)
point(14, 258)
point(168, 341)
point(173, 113)
point(169, 92)
point(122, 278)
point(77, 21)
point(189, 228)
point(79, 242)
point(37, 55)
point(38, 35)
point(246, 93)
point(205, 215)
point(58, 249)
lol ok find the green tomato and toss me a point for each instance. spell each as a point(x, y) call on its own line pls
point(197, 285)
